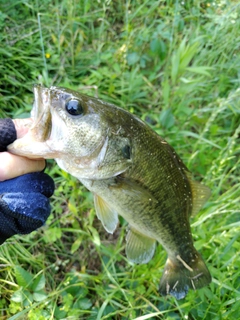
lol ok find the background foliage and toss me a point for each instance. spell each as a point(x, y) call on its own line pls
point(176, 64)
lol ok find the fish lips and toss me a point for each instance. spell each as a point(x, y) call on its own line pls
point(41, 114)
point(40, 129)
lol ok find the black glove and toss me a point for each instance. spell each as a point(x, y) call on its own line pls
point(24, 203)
point(7, 133)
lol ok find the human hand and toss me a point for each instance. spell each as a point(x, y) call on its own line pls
point(24, 203)
point(11, 165)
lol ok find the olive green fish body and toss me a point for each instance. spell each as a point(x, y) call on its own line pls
point(155, 182)
point(131, 171)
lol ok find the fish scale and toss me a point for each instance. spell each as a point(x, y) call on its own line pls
point(131, 171)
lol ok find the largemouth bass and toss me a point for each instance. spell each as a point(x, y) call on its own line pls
point(131, 171)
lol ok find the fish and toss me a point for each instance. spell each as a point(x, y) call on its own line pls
point(131, 171)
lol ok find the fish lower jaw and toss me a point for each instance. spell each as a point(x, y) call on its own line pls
point(32, 149)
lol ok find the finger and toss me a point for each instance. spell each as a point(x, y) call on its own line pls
point(12, 166)
point(22, 126)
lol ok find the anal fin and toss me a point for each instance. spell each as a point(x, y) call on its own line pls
point(139, 248)
point(106, 214)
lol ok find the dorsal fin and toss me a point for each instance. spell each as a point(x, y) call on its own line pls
point(200, 194)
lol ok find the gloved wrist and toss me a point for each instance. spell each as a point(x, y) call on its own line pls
point(13, 222)
point(7, 133)
point(24, 203)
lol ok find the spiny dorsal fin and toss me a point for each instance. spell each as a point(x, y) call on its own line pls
point(200, 194)
point(107, 215)
point(139, 248)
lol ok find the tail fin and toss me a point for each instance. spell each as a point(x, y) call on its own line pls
point(178, 276)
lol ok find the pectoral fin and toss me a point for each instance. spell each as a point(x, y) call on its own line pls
point(133, 190)
point(106, 214)
point(139, 248)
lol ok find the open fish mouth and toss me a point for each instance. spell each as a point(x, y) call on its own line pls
point(41, 127)
point(40, 96)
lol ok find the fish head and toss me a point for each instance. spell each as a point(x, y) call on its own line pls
point(71, 128)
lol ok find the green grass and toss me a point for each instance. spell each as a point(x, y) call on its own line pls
point(176, 65)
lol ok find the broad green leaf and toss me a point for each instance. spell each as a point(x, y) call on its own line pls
point(85, 304)
point(39, 296)
point(155, 45)
point(28, 298)
point(18, 296)
point(23, 277)
point(158, 47)
point(38, 283)
point(132, 58)
point(52, 234)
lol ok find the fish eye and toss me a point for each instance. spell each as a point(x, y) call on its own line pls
point(126, 152)
point(74, 107)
